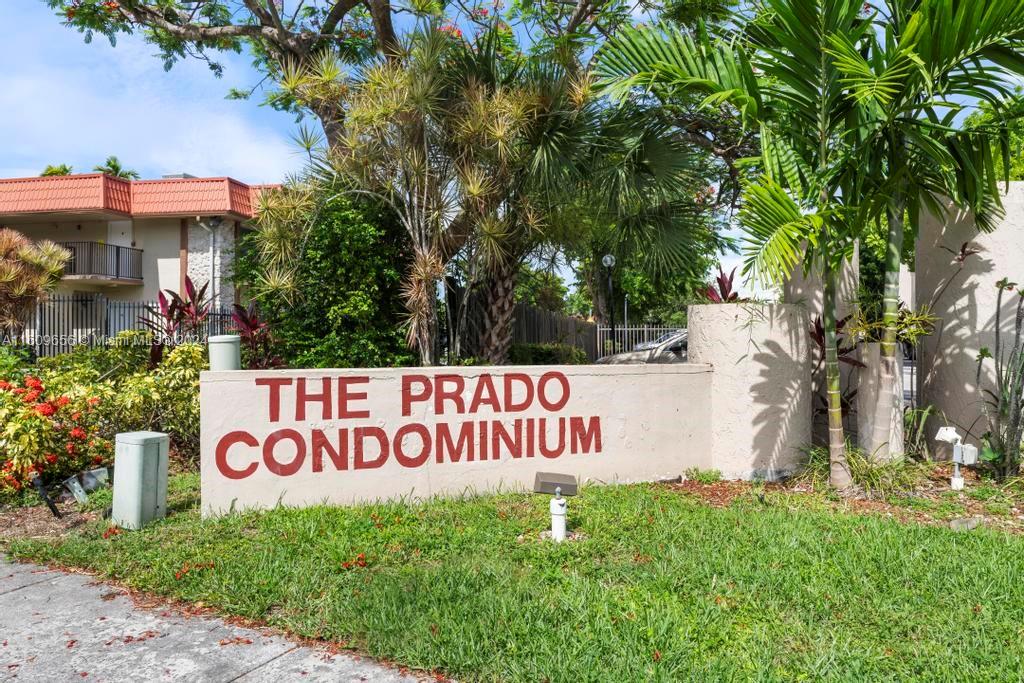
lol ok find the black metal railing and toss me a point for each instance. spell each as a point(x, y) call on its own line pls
point(103, 260)
point(60, 324)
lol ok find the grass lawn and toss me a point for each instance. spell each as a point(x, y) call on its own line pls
point(663, 587)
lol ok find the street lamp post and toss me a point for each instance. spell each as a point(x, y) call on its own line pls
point(609, 263)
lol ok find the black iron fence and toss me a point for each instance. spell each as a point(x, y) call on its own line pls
point(103, 260)
point(62, 323)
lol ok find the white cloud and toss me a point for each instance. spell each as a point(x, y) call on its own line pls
point(62, 101)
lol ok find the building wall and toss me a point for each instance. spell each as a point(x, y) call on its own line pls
point(967, 307)
point(160, 240)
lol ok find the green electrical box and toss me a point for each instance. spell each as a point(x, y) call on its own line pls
point(140, 478)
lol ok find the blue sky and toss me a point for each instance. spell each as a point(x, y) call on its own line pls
point(63, 101)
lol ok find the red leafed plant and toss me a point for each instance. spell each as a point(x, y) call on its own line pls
point(256, 337)
point(176, 318)
point(722, 292)
point(845, 353)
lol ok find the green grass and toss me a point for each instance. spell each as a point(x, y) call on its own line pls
point(663, 588)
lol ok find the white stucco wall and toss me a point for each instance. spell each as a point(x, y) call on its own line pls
point(761, 386)
point(967, 308)
point(654, 422)
point(160, 241)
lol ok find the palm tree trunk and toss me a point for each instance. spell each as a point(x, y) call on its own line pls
point(885, 406)
point(839, 468)
point(499, 306)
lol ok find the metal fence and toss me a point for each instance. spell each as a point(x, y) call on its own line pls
point(629, 338)
point(62, 323)
point(537, 326)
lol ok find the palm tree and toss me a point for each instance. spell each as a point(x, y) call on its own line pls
point(924, 64)
point(776, 74)
point(55, 170)
point(112, 167)
point(28, 272)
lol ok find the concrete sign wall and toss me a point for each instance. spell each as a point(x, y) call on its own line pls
point(301, 437)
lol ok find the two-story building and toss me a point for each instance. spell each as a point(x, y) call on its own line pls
point(129, 239)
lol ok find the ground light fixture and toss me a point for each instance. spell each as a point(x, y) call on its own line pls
point(552, 482)
point(963, 454)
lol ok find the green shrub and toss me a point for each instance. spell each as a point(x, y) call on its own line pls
point(123, 355)
point(49, 433)
point(62, 417)
point(703, 476)
point(879, 478)
point(547, 354)
point(165, 399)
point(14, 360)
point(345, 309)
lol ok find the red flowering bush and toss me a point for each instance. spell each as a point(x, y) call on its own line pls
point(49, 435)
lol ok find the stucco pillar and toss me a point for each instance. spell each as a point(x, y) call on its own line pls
point(869, 392)
point(965, 306)
point(761, 385)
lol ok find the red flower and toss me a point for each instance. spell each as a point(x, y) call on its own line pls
point(76, 416)
point(45, 409)
point(51, 458)
point(32, 396)
point(70, 448)
point(33, 382)
point(4, 386)
point(94, 401)
point(62, 401)
point(97, 460)
point(78, 433)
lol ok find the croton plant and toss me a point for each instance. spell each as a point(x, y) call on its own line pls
point(53, 436)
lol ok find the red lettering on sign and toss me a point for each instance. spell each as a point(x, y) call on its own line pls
point(361, 435)
point(323, 398)
point(546, 379)
point(454, 394)
point(529, 437)
point(321, 445)
point(512, 442)
point(454, 450)
point(401, 456)
point(269, 446)
point(542, 429)
point(275, 384)
point(408, 397)
point(485, 394)
point(345, 412)
point(221, 454)
point(510, 405)
point(587, 439)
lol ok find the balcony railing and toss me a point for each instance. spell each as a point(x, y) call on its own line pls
point(96, 260)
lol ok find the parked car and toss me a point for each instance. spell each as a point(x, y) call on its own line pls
point(643, 346)
point(670, 350)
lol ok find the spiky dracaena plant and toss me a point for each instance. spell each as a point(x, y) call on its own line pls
point(29, 271)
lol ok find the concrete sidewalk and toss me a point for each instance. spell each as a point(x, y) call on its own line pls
point(56, 626)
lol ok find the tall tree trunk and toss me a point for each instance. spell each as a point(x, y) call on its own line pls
point(839, 468)
point(886, 406)
point(499, 306)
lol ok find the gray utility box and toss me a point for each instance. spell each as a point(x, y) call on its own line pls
point(140, 478)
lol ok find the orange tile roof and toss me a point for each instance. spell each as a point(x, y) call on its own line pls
point(97, 193)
